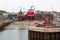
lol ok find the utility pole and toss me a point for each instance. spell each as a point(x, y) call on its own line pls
point(51, 9)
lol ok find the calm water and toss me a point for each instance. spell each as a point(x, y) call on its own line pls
point(14, 34)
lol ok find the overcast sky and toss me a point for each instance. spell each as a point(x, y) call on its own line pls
point(14, 5)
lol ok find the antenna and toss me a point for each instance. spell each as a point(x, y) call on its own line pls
point(20, 8)
point(32, 7)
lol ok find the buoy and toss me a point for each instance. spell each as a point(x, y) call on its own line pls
point(46, 27)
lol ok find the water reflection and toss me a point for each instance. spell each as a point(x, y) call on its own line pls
point(14, 34)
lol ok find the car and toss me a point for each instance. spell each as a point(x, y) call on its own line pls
point(59, 18)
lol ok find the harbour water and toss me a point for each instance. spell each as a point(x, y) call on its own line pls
point(14, 33)
point(19, 31)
